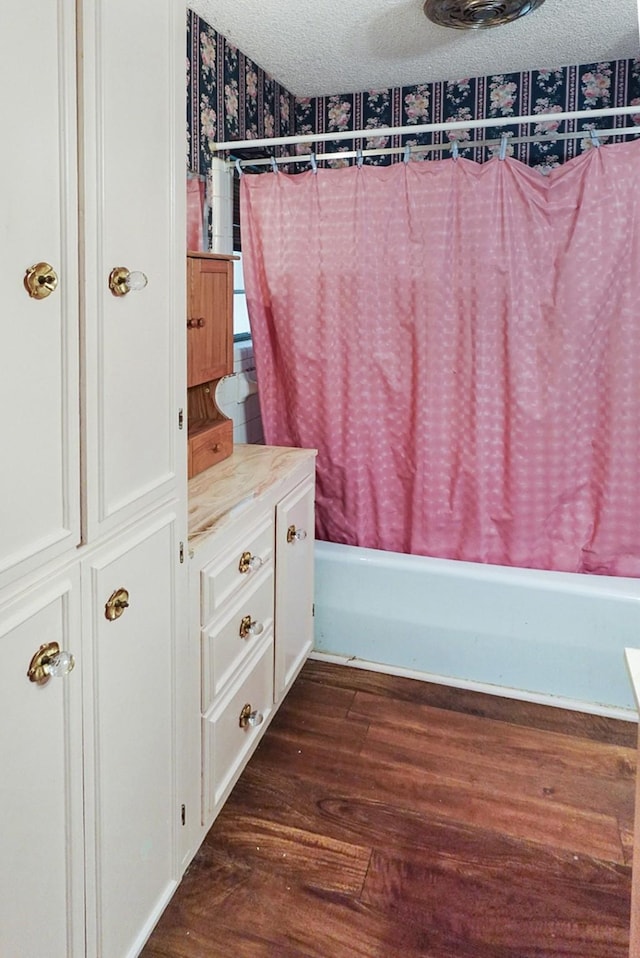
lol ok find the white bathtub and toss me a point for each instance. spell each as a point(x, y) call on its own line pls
point(551, 637)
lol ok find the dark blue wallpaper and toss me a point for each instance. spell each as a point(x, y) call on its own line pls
point(593, 85)
point(229, 96)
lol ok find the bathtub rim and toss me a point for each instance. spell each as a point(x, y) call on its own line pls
point(583, 583)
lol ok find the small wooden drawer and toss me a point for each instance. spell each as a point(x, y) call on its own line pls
point(236, 567)
point(233, 638)
point(209, 446)
point(227, 745)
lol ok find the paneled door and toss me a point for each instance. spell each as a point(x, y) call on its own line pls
point(132, 147)
point(41, 836)
point(132, 602)
point(209, 317)
point(295, 537)
point(39, 435)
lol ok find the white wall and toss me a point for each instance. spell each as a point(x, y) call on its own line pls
point(237, 396)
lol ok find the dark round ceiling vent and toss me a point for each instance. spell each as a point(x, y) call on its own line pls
point(477, 14)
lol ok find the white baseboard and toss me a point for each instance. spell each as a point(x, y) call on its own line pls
point(624, 715)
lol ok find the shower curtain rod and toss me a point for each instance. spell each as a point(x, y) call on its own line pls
point(449, 146)
point(424, 128)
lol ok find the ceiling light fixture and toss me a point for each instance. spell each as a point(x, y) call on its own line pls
point(477, 14)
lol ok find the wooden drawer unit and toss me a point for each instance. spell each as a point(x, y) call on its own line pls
point(234, 635)
point(209, 356)
point(228, 738)
point(209, 445)
point(236, 566)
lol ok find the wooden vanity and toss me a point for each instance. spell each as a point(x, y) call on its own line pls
point(209, 356)
point(251, 545)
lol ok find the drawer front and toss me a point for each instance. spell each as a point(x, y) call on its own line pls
point(226, 745)
point(233, 637)
point(209, 447)
point(236, 568)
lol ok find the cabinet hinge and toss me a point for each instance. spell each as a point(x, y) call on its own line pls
point(181, 553)
point(183, 814)
point(181, 419)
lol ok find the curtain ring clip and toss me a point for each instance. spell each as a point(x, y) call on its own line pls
point(239, 168)
point(503, 146)
point(595, 140)
point(407, 154)
point(274, 165)
point(313, 162)
point(454, 149)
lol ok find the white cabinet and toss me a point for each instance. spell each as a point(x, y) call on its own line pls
point(132, 811)
point(93, 484)
point(39, 478)
point(41, 836)
point(132, 136)
point(251, 602)
point(294, 592)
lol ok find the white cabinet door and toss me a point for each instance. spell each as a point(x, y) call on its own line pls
point(294, 584)
point(132, 90)
point(41, 835)
point(132, 812)
point(39, 478)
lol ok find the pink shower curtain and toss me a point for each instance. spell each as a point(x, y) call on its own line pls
point(461, 343)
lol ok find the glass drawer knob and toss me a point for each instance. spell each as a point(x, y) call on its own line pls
point(50, 661)
point(295, 535)
point(249, 717)
point(249, 627)
point(249, 563)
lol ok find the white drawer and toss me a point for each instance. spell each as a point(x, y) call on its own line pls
point(229, 641)
point(221, 578)
point(226, 745)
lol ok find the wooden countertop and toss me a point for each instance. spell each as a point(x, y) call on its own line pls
point(251, 473)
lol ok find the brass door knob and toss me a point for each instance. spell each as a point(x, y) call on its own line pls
point(40, 280)
point(115, 605)
point(49, 662)
point(249, 717)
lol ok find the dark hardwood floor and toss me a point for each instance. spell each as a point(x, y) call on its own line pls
point(384, 817)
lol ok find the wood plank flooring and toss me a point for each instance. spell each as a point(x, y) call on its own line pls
point(385, 817)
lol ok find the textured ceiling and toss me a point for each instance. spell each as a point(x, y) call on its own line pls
point(317, 47)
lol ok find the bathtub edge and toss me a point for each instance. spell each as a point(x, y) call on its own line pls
point(521, 695)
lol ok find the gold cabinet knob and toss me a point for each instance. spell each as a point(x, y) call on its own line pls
point(115, 605)
point(249, 717)
point(123, 281)
point(49, 662)
point(40, 280)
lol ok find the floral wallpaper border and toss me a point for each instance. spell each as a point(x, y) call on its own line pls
point(591, 86)
point(229, 96)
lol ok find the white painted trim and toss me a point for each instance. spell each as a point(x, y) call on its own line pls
point(538, 698)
